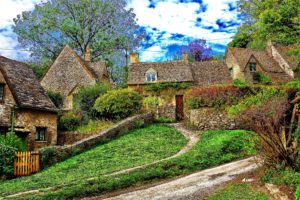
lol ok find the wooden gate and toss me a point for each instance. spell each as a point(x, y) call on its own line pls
point(26, 163)
point(179, 107)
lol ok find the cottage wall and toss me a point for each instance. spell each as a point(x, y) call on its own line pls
point(232, 64)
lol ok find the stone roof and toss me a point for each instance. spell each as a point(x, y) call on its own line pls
point(200, 73)
point(243, 55)
point(175, 71)
point(210, 72)
point(26, 89)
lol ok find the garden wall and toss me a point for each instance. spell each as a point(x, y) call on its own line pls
point(55, 154)
point(70, 137)
point(213, 119)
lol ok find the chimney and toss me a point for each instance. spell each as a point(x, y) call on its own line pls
point(87, 56)
point(134, 58)
point(185, 57)
point(270, 48)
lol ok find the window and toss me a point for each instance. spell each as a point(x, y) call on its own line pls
point(252, 67)
point(151, 75)
point(231, 71)
point(40, 134)
point(1, 92)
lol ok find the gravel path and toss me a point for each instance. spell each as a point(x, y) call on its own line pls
point(193, 187)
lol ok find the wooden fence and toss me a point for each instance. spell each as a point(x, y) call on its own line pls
point(26, 163)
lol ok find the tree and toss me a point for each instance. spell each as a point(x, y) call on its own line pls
point(102, 25)
point(197, 50)
point(276, 20)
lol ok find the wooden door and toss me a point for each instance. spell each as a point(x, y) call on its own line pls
point(179, 107)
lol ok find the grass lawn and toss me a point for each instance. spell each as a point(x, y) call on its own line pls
point(214, 148)
point(135, 148)
point(238, 191)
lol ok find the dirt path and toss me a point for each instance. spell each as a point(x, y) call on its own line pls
point(195, 186)
point(191, 136)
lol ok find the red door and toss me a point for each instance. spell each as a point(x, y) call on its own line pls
point(179, 107)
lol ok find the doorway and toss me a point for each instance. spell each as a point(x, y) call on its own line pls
point(179, 107)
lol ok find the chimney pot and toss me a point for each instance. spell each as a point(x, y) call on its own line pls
point(134, 58)
point(87, 56)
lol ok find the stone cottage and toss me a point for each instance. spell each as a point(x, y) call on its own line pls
point(69, 72)
point(274, 62)
point(24, 103)
point(205, 73)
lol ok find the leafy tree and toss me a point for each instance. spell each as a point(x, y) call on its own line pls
point(104, 26)
point(197, 50)
point(276, 20)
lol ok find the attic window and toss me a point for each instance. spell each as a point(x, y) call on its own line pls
point(151, 75)
point(1, 92)
point(252, 67)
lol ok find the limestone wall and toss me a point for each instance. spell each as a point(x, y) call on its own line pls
point(212, 119)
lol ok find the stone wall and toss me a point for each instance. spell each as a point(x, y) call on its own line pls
point(167, 111)
point(68, 138)
point(212, 119)
point(60, 153)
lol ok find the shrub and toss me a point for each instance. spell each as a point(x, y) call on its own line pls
point(7, 154)
point(12, 140)
point(239, 83)
point(295, 84)
point(118, 104)
point(49, 156)
point(56, 98)
point(297, 194)
point(85, 99)
point(261, 78)
point(257, 99)
point(150, 101)
point(215, 96)
point(69, 121)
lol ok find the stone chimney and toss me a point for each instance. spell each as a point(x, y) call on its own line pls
point(134, 58)
point(185, 57)
point(270, 48)
point(87, 56)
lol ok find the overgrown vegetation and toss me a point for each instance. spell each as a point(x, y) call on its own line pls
point(158, 87)
point(261, 78)
point(238, 191)
point(85, 98)
point(9, 144)
point(118, 104)
point(56, 98)
point(69, 121)
point(95, 126)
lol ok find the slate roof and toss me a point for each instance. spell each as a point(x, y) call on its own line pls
point(26, 89)
point(200, 73)
point(175, 71)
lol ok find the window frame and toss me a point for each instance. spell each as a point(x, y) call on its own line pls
point(255, 67)
point(151, 75)
point(38, 136)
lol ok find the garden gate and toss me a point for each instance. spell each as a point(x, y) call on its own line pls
point(26, 163)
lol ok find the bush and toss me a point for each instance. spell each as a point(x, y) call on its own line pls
point(69, 121)
point(150, 101)
point(297, 194)
point(261, 78)
point(295, 84)
point(215, 96)
point(118, 104)
point(56, 98)
point(158, 87)
point(12, 140)
point(85, 99)
point(7, 154)
point(239, 83)
point(49, 156)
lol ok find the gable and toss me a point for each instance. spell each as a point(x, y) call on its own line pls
point(67, 71)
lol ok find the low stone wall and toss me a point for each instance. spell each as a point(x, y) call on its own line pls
point(68, 138)
point(213, 119)
point(168, 111)
point(51, 155)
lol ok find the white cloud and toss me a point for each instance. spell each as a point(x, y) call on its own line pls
point(10, 9)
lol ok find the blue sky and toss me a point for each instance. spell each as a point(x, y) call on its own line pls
point(168, 23)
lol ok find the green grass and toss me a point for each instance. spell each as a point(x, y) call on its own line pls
point(95, 126)
point(135, 148)
point(214, 148)
point(281, 177)
point(238, 192)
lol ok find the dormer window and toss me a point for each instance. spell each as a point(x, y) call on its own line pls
point(151, 75)
point(252, 67)
point(1, 92)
